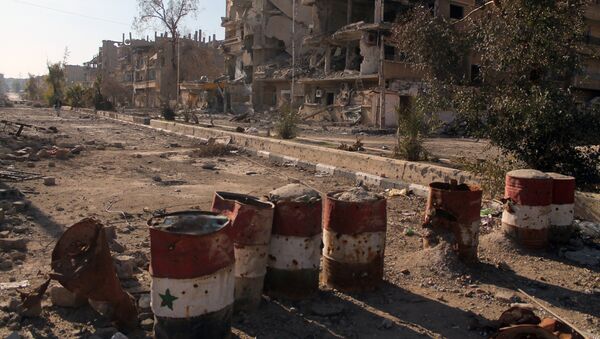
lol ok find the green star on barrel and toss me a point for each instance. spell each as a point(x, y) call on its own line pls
point(167, 299)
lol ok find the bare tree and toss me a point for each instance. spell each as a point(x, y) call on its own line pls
point(168, 13)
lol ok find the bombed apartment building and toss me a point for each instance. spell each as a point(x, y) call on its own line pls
point(151, 73)
point(335, 50)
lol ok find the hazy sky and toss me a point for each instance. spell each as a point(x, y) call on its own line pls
point(34, 31)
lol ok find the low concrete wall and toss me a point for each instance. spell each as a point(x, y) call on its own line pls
point(372, 170)
point(404, 171)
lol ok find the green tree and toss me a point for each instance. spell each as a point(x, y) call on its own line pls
point(523, 97)
point(75, 96)
point(32, 88)
point(56, 82)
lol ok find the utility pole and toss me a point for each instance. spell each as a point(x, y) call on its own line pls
point(293, 55)
point(178, 67)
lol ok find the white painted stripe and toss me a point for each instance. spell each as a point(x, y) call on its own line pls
point(530, 217)
point(369, 179)
point(195, 297)
point(293, 161)
point(359, 249)
point(263, 154)
point(470, 235)
point(295, 253)
point(326, 169)
point(251, 261)
point(562, 215)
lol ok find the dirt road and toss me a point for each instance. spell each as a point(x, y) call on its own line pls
point(126, 172)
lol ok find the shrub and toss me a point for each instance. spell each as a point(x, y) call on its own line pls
point(491, 171)
point(287, 124)
point(168, 114)
point(413, 125)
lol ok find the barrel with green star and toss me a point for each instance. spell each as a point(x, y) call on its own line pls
point(192, 268)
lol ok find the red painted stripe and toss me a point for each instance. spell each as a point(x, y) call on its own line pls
point(297, 219)
point(455, 205)
point(563, 189)
point(529, 192)
point(183, 256)
point(354, 217)
point(252, 219)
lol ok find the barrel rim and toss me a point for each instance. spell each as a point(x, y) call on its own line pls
point(329, 196)
point(245, 199)
point(447, 187)
point(188, 212)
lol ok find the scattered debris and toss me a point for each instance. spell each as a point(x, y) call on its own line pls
point(294, 192)
point(14, 285)
point(14, 175)
point(358, 146)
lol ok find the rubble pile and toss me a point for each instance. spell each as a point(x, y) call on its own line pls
point(294, 193)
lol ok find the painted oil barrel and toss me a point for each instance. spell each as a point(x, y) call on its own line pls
point(295, 250)
point(562, 212)
point(454, 209)
point(192, 268)
point(527, 214)
point(252, 222)
point(354, 234)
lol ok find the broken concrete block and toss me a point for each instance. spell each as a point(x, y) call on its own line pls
point(49, 181)
point(62, 297)
point(17, 244)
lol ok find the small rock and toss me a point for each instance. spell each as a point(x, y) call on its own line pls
point(77, 149)
point(124, 265)
point(61, 297)
point(18, 244)
point(157, 178)
point(586, 256)
point(105, 332)
point(506, 296)
point(49, 181)
point(405, 272)
point(209, 166)
point(51, 164)
point(387, 324)
point(251, 173)
point(144, 302)
point(174, 145)
point(147, 324)
point(117, 145)
point(20, 206)
point(30, 164)
point(119, 335)
point(116, 247)
point(327, 310)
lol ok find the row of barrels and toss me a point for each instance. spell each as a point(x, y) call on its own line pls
point(206, 264)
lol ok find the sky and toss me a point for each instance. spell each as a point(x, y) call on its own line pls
point(33, 32)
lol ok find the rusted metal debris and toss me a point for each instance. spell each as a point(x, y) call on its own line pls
point(82, 263)
point(453, 211)
point(31, 303)
point(520, 323)
point(18, 176)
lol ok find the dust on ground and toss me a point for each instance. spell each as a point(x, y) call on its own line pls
point(125, 173)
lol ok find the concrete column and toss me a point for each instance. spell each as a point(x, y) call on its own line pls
point(378, 11)
point(328, 60)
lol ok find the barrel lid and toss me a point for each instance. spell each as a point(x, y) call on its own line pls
point(528, 174)
point(558, 176)
point(192, 223)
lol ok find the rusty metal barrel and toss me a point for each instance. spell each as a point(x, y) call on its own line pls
point(252, 221)
point(82, 263)
point(562, 212)
point(454, 210)
point(295, 250)
point(526, 216)
point(192, 269)
point(354, 233)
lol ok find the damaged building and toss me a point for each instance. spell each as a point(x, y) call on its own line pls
point(151, 73)
point(344, 69)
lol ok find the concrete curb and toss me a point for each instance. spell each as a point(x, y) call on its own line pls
point(367, 179)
